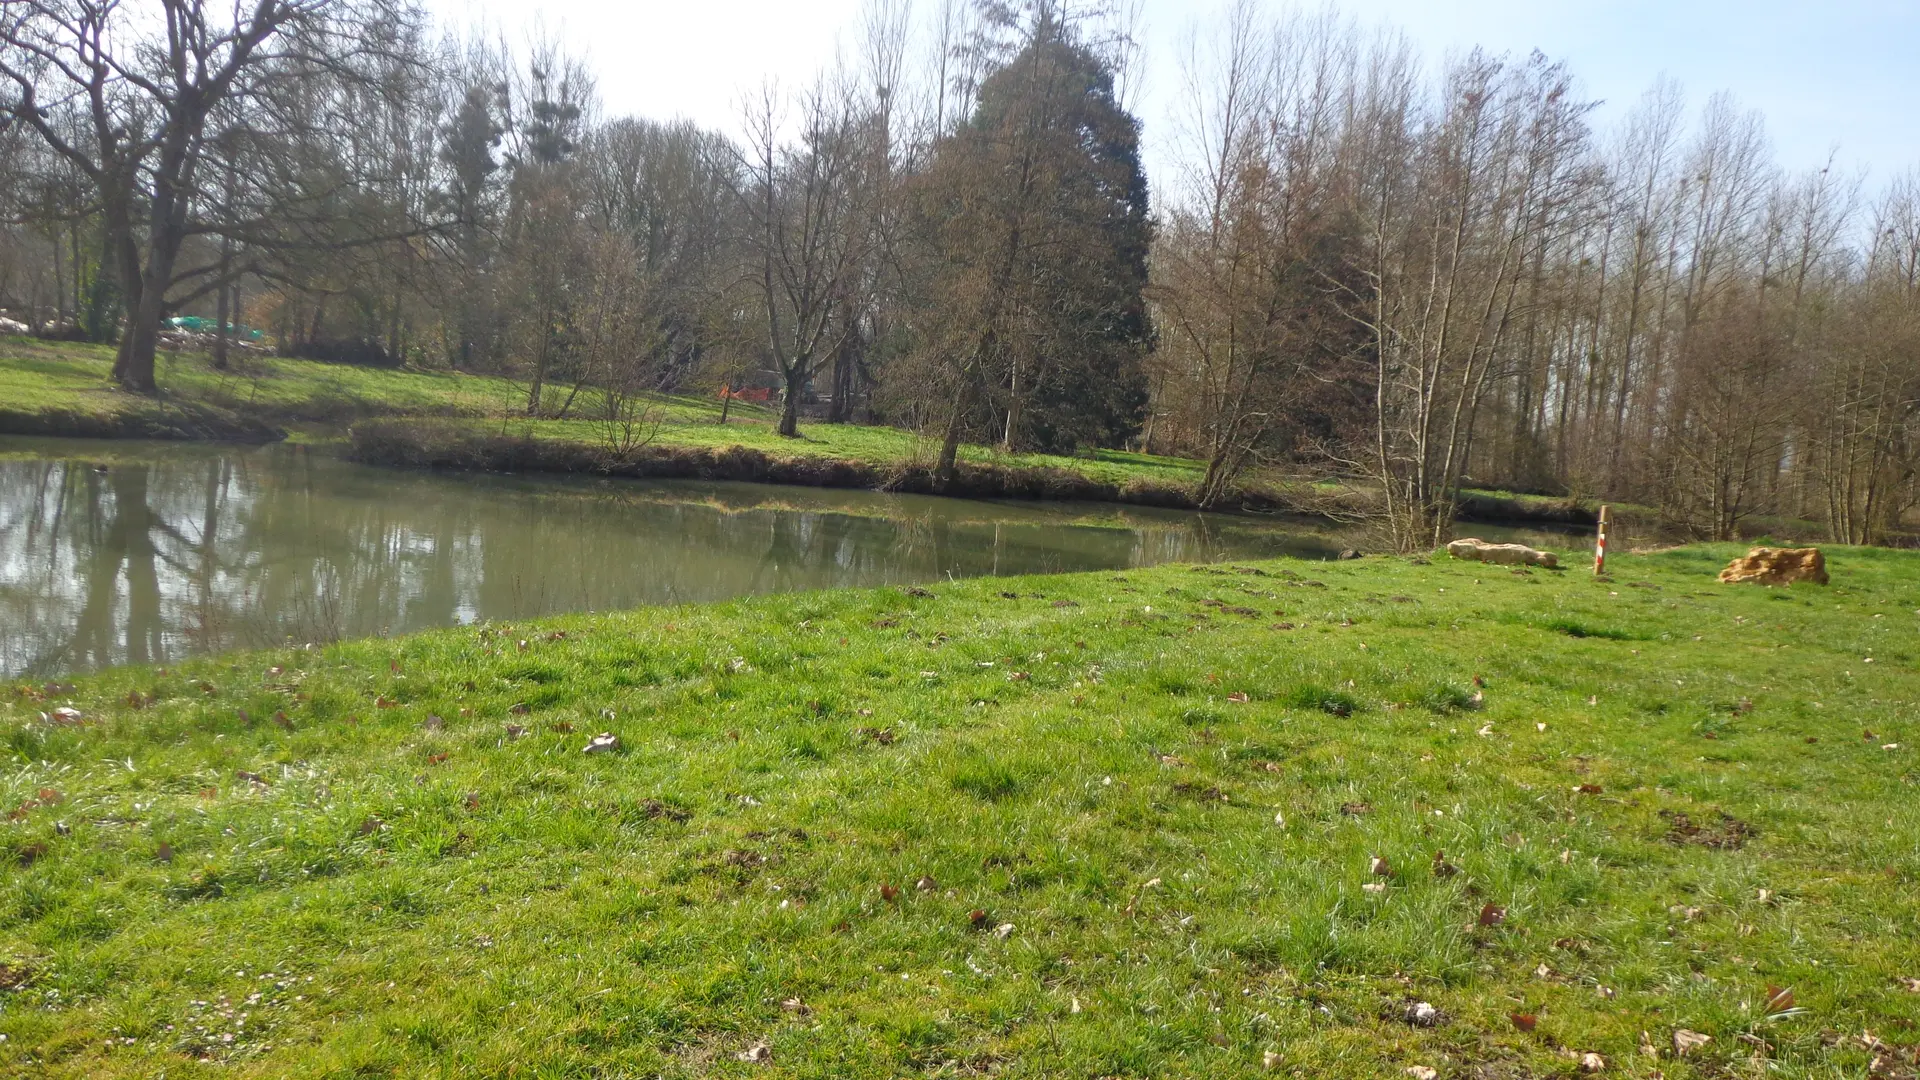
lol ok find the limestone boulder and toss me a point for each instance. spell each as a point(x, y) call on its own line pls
point(1777, 566)
point(1477, 550)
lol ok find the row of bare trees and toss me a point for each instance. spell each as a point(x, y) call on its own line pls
point(1414, 280)
point(1447, 279)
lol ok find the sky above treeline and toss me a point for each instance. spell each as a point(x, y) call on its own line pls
point(1831, 76)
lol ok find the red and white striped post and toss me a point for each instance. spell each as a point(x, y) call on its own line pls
point(1600, 541)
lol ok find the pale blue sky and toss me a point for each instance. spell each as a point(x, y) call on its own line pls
point(1842, 73)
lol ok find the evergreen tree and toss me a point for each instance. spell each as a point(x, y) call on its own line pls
point(1037, 205)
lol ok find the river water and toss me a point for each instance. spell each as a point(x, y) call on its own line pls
point(119, 552)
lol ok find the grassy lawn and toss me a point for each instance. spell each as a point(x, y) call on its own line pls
point(877, 445)
point(1088, 826)
point(70, 378)
point(75, 376)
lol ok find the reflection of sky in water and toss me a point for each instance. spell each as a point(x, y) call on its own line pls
point(175, 550)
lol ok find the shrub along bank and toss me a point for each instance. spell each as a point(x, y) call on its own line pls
point(1305, 819)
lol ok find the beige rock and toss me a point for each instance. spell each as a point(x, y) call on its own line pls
point(1777, 566)
point(1477, 550)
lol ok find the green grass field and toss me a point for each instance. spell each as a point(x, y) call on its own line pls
point(73, 379)
point(1085, 826)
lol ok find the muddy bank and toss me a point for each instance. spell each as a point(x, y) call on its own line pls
point(1500, 510)
point(412, 444)
point(143, 418)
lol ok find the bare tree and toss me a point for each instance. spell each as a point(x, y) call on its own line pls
point(143, 91)
point(802, 205)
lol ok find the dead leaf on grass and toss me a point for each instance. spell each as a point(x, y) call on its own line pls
point(1686, 1042)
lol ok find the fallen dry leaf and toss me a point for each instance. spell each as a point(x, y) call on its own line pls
point(1779, 999)
point(1523, 1021)
point(757, 1054)
point(977, 918)
point(1375, 887)
point(165, 854)
point(1686, 1042)
point(1270, 1060)
point(1239, 697)
point(1589, 789)
point(1422, 1072)
point(1379, 867)
point(925, 884)
point(1591, 1062)
point(796, 1007)
point(1492, 915)
point(889, 893)
point(602, 743)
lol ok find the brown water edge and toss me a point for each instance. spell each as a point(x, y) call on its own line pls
point(426, 445)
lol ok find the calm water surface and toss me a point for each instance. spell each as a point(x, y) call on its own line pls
point(114, 552)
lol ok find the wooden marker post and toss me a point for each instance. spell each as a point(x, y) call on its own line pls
point(1600, 541)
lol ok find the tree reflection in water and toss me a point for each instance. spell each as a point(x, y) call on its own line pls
point(171, 550)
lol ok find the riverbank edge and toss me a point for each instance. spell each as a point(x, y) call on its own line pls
point(167, 419)
point(402, 444)
point(414, 445)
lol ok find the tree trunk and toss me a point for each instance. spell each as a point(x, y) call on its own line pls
point(790, 408)
point(944, 472)
point(133, 365)
point(223, 312)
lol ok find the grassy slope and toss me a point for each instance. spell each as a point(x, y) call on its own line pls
point(73, 378)
point(879, 445)
point(1073, 763)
